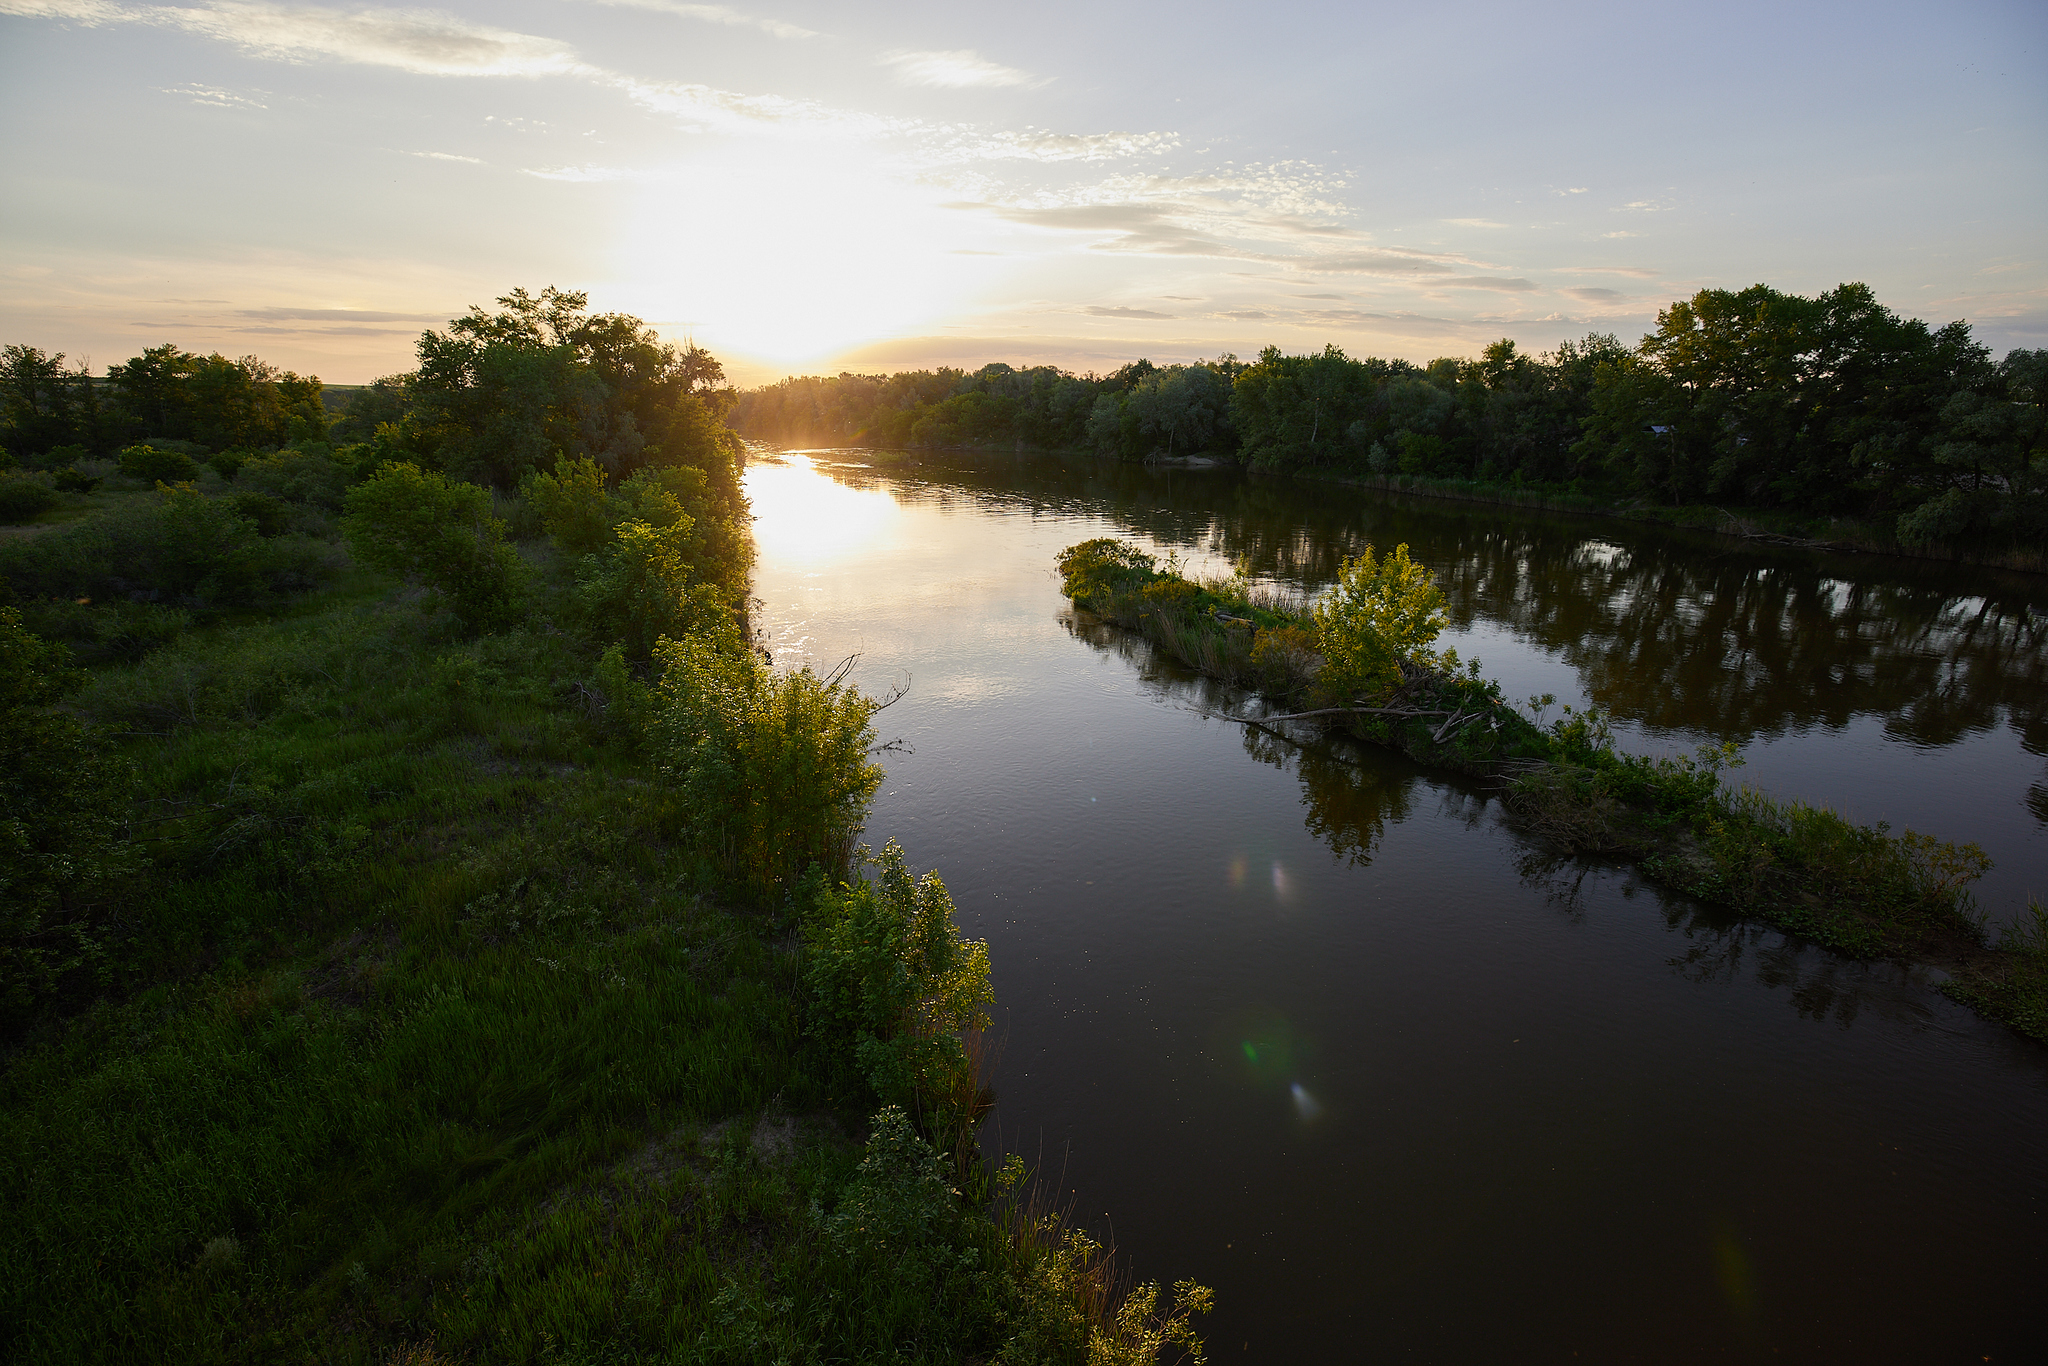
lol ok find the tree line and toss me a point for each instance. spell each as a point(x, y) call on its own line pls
point(1830, 406)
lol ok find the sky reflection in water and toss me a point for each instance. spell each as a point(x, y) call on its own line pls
point(1313, 1027)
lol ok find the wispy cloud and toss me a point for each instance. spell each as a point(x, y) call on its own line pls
point(582, 174)
point(1588, 294)
point(1504, 285)
point(357, 315)
point(1098, 311)
point(212, 96)
point(446, 156)
point(1635, 272)
point(956, 70)
point(715, 14)
point(1475, 223)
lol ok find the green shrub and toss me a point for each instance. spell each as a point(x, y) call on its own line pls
point(113, 630)
point(155, 465)
point(639, 590)
point(1102, 568)
point(23, 498)
point(308, 474)
point(893, 985)
point(71, 479)
point(60, 841)
point(270, 516)
point(775, 769)
point(418, 524)
point(229, 463)
point(180, 549)
point(574, 509)
point(1380, 612)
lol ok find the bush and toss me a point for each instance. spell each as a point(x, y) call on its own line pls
point(775, 769)
point(60, 841)
point(1102, 568)
point(114, 630)
point(893, 984)
point(639, 590)
point(308, 474)
point(418, 524)
point(71, 479)
point(182, 549)
point(152, 464)
point(24, 498)
point(1379, 613)
point(573, 507)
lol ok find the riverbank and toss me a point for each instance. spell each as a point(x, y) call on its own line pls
point(1862, 891)
point(419, 1009)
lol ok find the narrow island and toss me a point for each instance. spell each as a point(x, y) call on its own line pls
point(1361, 662)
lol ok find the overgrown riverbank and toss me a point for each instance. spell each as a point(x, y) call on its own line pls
point(1863, 891)
point(431, 934)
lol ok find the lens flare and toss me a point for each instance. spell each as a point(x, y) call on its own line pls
point(1308, 1106)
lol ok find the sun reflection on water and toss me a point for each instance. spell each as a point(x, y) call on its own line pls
point(802, 516)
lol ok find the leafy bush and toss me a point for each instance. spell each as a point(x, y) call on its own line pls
point(418, 524)
point(113, 630)
point(71, 479)
point(60, 842)
point(1380, 612)
point(308, 474)
point(1102, 568)
point(776, 769)
point(23, 498)
point(573, 506)
point(892, 983)
point(638, 590)
point(181, 549)
point(153, 464)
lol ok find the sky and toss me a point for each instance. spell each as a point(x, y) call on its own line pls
point(808, 187)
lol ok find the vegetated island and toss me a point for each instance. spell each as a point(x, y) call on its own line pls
point(429, 932)
point(1826, 421)
point(1361, 662)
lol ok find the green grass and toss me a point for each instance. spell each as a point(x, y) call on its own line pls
point(431, 1033)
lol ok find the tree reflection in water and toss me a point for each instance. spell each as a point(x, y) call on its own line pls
point(1350, 794)
point(1671, 630)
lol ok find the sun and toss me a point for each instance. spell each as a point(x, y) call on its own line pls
point(802, 252)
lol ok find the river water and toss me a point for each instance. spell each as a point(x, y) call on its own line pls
point(1317, 1029)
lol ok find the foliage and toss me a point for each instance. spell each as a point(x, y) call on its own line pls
point(893, 985)
point(571, 501)
point(1139, 410)
point(1382, 611)
point(23, 497)
point(311, 472)
point(775, 768)
point(61, 843)
point(154, 465)
point(427, 528)
point(1102, 568)
point(638, 590)
point(178, 549)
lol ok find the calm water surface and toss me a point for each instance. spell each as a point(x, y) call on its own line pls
point(1317, 1029)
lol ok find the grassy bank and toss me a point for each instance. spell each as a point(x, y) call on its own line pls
point(1867, 892)
point(426, 970)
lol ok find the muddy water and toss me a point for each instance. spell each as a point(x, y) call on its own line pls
point(1317, 1029)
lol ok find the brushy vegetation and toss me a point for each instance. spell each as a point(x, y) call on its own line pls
point(424, 976)
point(1361, 662)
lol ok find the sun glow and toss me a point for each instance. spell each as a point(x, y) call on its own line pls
point(803, 251)
point(804, 517)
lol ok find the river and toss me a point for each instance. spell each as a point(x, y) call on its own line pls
point(1318, 1029)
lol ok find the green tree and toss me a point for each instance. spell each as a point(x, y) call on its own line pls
point(1381, 612)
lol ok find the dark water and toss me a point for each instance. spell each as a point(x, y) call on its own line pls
point(1316, 1029)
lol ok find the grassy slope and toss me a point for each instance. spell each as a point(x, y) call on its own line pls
point(433, 1040)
